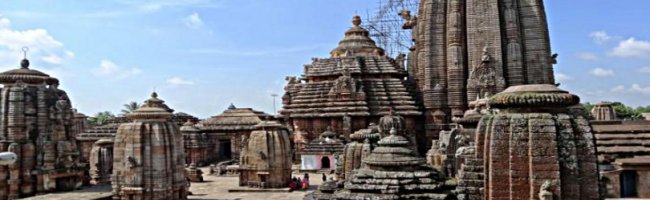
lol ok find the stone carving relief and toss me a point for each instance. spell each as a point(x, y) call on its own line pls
point(345, 84)
point(484, 78)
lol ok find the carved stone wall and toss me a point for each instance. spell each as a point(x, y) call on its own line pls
point(148, 158)
point(534, 146)
point(452, 38)
point(37, 124)
point(266, 158)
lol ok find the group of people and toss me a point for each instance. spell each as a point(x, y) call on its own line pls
point(297, 183)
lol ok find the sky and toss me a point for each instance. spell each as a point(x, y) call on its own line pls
point(202, 55)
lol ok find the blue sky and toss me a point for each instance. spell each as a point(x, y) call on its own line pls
point(202, 55)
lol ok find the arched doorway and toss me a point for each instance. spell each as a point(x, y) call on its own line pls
point(628, 180)
point(325, 162)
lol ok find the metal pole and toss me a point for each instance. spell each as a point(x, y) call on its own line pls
point(274, 110)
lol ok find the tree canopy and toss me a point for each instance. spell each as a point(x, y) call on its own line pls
point(100, 118)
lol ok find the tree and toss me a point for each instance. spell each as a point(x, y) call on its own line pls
point(130, 107)
point(625, 112)
point(588, 106)
point(100, 118)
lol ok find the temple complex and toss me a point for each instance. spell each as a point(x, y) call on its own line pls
point(355, 86)
point(623, 153)
point(321, 153)
point(469, 49)
point(148, 158)
point(225, 134)
point(266, 157)
point(38, 125)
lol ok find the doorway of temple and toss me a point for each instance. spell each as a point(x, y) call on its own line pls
point(225, 150)
point(628, 183)
point(325, 162)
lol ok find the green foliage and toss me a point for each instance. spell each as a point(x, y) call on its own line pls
point(625, 112)
point(130, 107)
point(100, 118)
point(588, 106)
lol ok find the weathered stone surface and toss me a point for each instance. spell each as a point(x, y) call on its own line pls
point(101, 161)
point(466, 49)
point(354, 87)
point(148, 158)
point(220, 137)
point(39, 126)
point(533, 147)
point(266, 158)
point(394, 171)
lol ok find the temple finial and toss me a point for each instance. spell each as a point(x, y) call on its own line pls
point(154, 94)
point(356, 20)
point(24, 64)
point(25, 50)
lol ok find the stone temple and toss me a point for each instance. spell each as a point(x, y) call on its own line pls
point(623, 153)
point(148, 158)
point(355, 86)
point(533, 147)
point(37, 124)
point(467, 49)
point(266, 158)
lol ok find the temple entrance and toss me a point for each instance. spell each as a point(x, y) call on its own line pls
point(628, 180)
point(325, 162)
point(225, 151)
point(66, 183)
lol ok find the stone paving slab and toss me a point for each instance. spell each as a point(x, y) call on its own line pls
point(213, 188)
point(216, 188)
point(86, 193)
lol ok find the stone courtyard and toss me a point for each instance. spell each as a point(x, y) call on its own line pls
point(212, 188)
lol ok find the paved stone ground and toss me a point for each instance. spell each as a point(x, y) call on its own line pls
point(214, 188)
point(95, 192)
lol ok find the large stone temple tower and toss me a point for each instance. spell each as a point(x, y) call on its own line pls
point(36, 123)
point(466, 49)
point(148, 158)
point(355, 86)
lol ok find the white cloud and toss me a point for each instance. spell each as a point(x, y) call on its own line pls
point(4, 23)
point(43, 48)
point(632, 48)
point(109, 69)
point(563, 77)
point(600, 37)
point(175, 81)
point(600, 72)
point(632, 89)
point(587, 56)
point(157, 5)
point(193, 21)
point(645, 70)
point(619, 88)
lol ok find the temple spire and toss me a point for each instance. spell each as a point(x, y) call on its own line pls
point(24, 64)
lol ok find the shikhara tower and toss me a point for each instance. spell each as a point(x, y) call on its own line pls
point(469, 49)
